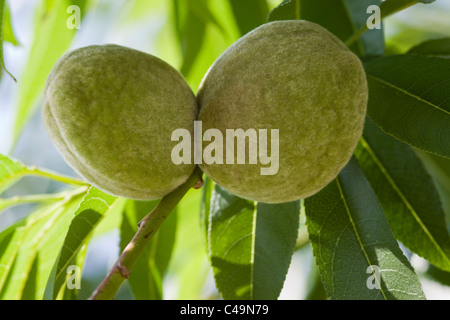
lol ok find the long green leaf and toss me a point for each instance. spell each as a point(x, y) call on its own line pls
point(438, 275)
point(390, 7)
point(219, 34)
point(10, 240)
point(142, 9)
point(3, 16)
point(8, 32)
point(189, 264)
point(208, 189)
point(406, 193)
point(47, 250)
point(287, 10)
point(191, 19)
point(387, 8)
point(409, 99)
point(94, 206)
point(434, 47)
point(316, 290)
point(10, 171)
point(345, 18)
point(439, 168)
point(351, 238)
point(249, 14)
point(191, 39)
point(250, 245)
point(147, 275)
point(16, 263)
point(51, 40)
point(202, 10)
point(79, 261)
point(24, 275)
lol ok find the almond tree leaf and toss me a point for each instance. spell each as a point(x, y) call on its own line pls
point(10, 172)
point(316, 290)
point(390, 7)
point(65, 293)
point(208, 189)
point(215, 41)
point(439, 168)
point(251, 245)
point(3, 22)
point(51, 40)
point(387, 8)
point(147, 275)
point(190, 31)
point(438, 275)
point(407, 194)
point(22, 275)
point(434, 47)
point(189, 264)
point(344, 18)
point(46, 252)
point(410, 100)
point(351, 238)
point(10, 240)
point(141, 9)
point(249, 14)
point(72, 294)
point(95, 206)
point(15, 263)
point(192, 17)
point(203, 11)
point(8, 32)
point(191, 40)
point(287, 10)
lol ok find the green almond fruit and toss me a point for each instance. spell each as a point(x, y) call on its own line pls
point(111, 110)
point(297, 77)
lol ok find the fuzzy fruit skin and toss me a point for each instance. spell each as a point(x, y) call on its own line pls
point(297, 77)
point(111, 110)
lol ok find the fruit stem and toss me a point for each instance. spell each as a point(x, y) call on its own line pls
point(148, 226)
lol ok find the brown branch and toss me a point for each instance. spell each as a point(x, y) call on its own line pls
point(148, 226)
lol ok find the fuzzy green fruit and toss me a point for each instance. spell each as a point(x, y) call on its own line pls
point(297, 77)
point(111, 110)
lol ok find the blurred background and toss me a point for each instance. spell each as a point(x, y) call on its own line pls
point(189, 35)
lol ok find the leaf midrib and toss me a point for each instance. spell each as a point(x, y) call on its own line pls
point(366, 256)
point(389, 84)
point(297, 11)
